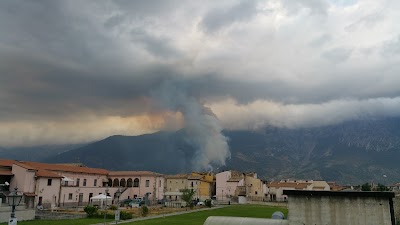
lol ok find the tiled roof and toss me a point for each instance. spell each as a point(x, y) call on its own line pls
point(195, 177)
point(6, 173)
point(234, 179)
point(59, 167)
point(133, 173)
point(29, 194)
point(288, 184)
point(46, 173)
point(177, 176)
point(7, 162)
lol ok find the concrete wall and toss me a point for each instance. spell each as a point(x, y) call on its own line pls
point(21, 213)
point(339, 210)
point(397, 208)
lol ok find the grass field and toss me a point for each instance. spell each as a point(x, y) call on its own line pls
point(198, 218)
point(195, 218)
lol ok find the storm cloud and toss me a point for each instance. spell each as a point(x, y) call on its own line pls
point(80, 71)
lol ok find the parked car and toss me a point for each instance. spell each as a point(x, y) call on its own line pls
point(136, 203)
point(200, 203)
point(125, 202)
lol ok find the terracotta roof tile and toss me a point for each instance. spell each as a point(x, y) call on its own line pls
point(6, 173)
point(46, 173)
point(177, 176)
point(288, 184)
point(59, 167)
point(7, 162)
point(133, 173)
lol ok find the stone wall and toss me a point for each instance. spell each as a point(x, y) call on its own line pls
point(397, 208)
point(48, 215)
point(338, 208)
point(20, 212)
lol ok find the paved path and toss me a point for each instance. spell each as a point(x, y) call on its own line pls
point(161, 216)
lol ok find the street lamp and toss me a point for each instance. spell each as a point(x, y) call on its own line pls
point(118, 194)
point(13, 200)
point(105, 206)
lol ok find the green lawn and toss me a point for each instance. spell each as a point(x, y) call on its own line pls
point(85, 221)
point(258, 211)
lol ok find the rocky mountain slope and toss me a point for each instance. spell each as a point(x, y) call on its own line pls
point(351, 152)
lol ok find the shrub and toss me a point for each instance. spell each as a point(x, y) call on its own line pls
point(113, 207)
point(125, 215)
point(90, 210)
point(208, 203)
point(144, 211)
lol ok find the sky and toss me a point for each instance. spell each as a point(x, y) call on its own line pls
point(78, 71)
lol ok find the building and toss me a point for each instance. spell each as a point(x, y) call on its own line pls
point(274, 190)
point(231, 184)
point(72, 185)
point(174, 186)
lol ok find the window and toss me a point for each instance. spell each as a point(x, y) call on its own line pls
point(256, 192)
point(49, 182)
point(77, 181)
point(136, 182)
point(84, 182)
point(159, 183)
point(95, 182)
point(191, 184)
point(147, 183)
point(66, 183)
point(70, 196)
point(129, 182)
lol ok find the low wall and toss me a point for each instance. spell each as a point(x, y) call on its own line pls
point(397, 208)
point(48, 215)
point(338, 208)
point(20, 212)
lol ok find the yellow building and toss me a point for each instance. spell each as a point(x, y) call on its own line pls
point(203, 184)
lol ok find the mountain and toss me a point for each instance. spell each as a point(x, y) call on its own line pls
point(35, 153)
point(350, 153)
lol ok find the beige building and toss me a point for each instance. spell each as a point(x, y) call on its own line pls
point(174, 186)
point(274, 190)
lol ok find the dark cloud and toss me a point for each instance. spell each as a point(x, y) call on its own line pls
point(62, 60)
point(219, 18)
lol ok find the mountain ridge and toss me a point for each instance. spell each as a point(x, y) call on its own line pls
point(351, 152)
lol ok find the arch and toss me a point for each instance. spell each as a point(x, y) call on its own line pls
point(116, 182)
point(109, 182)
point(122, 183)
point(129, 182)
point(136, 182)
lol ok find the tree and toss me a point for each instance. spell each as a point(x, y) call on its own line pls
point(382, 187)
point(366, 187)
point(187, 196)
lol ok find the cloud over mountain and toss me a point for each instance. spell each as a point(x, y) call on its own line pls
point(69, 68)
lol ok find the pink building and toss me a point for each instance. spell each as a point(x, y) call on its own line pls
point(72, 185)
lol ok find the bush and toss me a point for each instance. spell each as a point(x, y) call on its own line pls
point(208, 203)
point(125, 215)
point(144, 211)
point(90, 210)
point(113, 207)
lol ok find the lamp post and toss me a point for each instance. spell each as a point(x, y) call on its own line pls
point(13, 200)
point(105, 206)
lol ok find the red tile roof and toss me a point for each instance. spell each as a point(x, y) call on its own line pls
point(133, 173)
point(177, 176)
point(46, 173)
point(7, 162)
point(59, 167)
point(6, 173)
point(288, 184)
